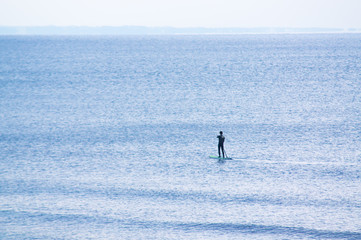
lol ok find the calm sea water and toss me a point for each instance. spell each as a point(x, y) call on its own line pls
point(109, 137)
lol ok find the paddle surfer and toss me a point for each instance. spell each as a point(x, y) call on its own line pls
point(221, 139)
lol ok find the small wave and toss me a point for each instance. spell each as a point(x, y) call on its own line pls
point(223, 228)
point(269, 230)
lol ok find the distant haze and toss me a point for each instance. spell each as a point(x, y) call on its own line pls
point(183, 13)
point(132, 30)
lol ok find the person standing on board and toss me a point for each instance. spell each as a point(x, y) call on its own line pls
point(221, 139)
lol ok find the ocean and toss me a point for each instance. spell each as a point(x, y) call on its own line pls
point(109, 137)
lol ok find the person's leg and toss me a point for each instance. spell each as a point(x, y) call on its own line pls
point(219, 150)
point(222, 151)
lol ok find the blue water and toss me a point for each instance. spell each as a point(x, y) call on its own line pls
point(108, 137)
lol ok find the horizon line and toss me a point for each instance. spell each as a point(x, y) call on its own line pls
point(149, 30)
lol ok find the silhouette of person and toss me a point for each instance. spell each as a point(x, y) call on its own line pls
point(221, 139)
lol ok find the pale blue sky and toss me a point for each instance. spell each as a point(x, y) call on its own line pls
point(182, 13)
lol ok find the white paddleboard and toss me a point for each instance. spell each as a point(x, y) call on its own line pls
point(220, 158)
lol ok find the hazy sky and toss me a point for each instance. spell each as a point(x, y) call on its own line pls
point(182, 13)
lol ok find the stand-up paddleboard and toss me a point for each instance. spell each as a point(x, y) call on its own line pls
point(220, 158)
